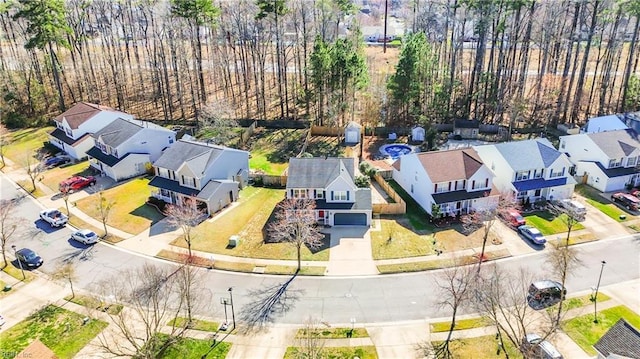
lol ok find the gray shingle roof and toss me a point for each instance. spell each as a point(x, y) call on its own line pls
point(525, 155)
point(317, 172)
point(117, 132)
point(621, 339)
point(197, 155)
point(616, 144)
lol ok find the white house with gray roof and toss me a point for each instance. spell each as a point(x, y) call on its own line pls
point(607, 161)
point(330, 182)
point(210, 175)
point(532, 169)
point(126, 148)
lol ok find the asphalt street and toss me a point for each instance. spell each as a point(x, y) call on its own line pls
point(367, 299)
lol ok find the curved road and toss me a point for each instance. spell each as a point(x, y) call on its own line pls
point(371, 299)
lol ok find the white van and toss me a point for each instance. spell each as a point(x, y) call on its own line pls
point(574, 207)
point(538, 348)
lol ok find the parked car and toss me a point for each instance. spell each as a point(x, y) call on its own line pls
point(626, 200)
point(575, 208)
point(545, 293)
point(54, 217)
point(76, 183)
point(29, 258)
point(57, 161)
point(532, 234)
point(513, 218)
point(85, 236)
point(535, 347)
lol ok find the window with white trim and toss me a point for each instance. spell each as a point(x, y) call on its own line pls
point(631, 161)
point(299, 193)
point(554, 174)
point(522, 175)
point(340, 195)
point(616, 162)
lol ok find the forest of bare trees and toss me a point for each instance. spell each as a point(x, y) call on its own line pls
point(500, 61)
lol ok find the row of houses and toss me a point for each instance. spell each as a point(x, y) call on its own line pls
point(455, 181)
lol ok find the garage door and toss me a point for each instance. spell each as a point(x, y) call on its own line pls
point(353, 219)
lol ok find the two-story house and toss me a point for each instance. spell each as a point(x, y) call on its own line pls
point(607, 161)
point(126, 148)
point(210, 175)
point(330, 182)
point(456, 181)
point(532, 169)
point(74, 127)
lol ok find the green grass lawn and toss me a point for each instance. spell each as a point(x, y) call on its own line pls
point(549, 224)
point(271, 149)
point(334, 333)
point(59, 329)
point(396, 241)
point(190, 348)
point(579, 302)
point(247, 219)
point(461, 324)
point(25, 141)
point(196, 324)
point(586, 333)
point(418, 218)
point(17, 273)
point(604, 205)
point(481, 348)
point(368, 352)
point(129, 212)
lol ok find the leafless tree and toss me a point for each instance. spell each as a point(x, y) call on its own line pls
point(67, 272)
point(484, 218)
point(153, 296)
point(567, 215)
point(309, 344)
point(186, 216)
point(456, 287)
point(295, 222)
point(104, 206)
point(563, 260)
point(65, 197)
point(500, 296)
point(8, 225)
point(34, 166)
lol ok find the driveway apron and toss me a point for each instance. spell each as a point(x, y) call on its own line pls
point(350, 252)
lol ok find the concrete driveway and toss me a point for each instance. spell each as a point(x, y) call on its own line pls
point(350, 251)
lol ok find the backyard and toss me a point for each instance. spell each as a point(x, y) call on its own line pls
point(129, 212)
point(271, 149)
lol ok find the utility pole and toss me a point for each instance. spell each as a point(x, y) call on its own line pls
point(233, 313)
point(595, 296)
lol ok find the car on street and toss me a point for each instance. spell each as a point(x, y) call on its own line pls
point(545, 293)
point(57, 161)
point(85, 236)
point(76, 183)
point(29, 258)
point(532, 234)
point(535, 347)
point(54, 217)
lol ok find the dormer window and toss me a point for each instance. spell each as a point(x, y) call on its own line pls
point(340, 195)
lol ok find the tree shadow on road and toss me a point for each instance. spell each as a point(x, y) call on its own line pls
point(267, 304)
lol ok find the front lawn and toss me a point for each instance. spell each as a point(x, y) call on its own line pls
point(61, 330)
point(481, 348)
point(580, 302)
point(25, 141)
point(196, 324)
point(129, 212)
point(586, 333)
point(604, 205)
point(190, 348)
point(247, 219)
point(549, 224)
point(394, 240)
point(271, 149)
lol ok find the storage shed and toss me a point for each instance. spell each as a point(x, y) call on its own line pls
point(352, 133)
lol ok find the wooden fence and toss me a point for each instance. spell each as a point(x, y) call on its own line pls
point(399, 207)
point(268, 180)
point(326, 131)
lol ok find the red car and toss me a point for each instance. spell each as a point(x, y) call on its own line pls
point(76, 183)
